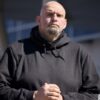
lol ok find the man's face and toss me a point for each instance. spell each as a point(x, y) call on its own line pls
point(52, 20)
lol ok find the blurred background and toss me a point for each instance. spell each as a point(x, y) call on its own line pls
point(17, 17)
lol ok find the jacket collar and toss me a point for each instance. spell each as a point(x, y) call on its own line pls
point(40, 42)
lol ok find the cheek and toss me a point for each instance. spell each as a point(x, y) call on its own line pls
point(47, 21)
point(44, 23)
point(63, 24)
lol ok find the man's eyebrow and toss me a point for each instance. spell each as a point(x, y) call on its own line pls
point(48, 10)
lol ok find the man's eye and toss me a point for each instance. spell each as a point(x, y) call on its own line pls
point(49, 14)
point(59, 15)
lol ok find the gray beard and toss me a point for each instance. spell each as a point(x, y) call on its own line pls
point(53, 31)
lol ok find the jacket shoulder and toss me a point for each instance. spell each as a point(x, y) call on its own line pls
point(19, 46)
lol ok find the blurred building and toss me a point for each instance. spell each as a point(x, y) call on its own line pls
point(17, 17)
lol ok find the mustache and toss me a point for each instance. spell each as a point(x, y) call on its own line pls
point(55, 25)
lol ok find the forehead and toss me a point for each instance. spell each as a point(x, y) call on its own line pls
point(54, 7)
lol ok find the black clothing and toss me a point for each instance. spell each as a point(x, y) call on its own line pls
point(1, 52)
point(29, 63)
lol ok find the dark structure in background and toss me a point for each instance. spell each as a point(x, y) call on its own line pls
point(84, 18)
point(25, 10)
point(19, 17)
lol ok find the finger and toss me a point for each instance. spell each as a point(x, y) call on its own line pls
point(53, 94)
point(54, 90)
point(51, 88)
point(53, 98)
point(46, 85)
point(54, 85)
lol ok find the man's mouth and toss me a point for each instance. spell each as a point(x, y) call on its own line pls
point(54, 25)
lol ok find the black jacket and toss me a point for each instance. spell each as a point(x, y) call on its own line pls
point(29, 63)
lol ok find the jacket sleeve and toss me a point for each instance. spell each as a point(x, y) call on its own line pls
point(90, 87)
point(7, 70)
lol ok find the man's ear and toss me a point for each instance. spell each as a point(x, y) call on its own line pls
point(65, 24)
point(38, 19)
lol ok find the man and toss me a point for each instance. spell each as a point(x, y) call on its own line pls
point(48, 66)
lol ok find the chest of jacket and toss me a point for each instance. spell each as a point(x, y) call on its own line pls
point(57, 66)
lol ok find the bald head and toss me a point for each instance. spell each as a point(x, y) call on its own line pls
point(53, 4)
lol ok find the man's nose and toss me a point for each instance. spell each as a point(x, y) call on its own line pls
point(54, 17)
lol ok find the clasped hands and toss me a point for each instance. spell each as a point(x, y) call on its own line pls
point(48, 92)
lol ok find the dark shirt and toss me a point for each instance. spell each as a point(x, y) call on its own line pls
point(1, 53)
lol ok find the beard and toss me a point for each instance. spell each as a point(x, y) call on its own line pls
point(53, 30)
